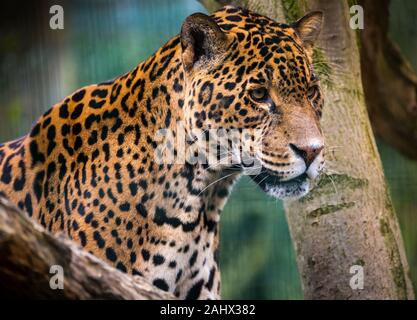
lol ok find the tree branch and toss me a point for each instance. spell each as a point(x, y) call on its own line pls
point(389, 82)
point(27, 252)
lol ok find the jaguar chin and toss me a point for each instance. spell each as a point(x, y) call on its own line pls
point(291, 189)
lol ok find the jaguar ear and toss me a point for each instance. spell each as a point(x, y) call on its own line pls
point(308, 28)
point(202, 42)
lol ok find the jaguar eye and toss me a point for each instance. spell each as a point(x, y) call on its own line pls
point(311, 92)
point(259, 95)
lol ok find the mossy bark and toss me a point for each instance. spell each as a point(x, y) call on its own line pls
point(348, 218)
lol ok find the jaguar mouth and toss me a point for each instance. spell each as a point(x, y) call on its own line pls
point(273, 186)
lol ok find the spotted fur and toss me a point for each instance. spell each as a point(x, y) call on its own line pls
point(87, 167)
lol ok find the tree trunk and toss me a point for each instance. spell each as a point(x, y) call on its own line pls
point(348, 219)
point(27, 253)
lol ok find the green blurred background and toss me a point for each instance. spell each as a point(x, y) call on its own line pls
point(103, 39)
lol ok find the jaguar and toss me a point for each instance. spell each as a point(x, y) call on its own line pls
point(88, 167)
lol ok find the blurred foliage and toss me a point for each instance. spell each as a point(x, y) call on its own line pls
point(103, 39)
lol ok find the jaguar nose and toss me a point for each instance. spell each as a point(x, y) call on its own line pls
point(307, 152)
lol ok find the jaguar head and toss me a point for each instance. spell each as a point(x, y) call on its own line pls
point(248, 73)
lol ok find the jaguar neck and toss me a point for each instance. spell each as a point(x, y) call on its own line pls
point(155, 101)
